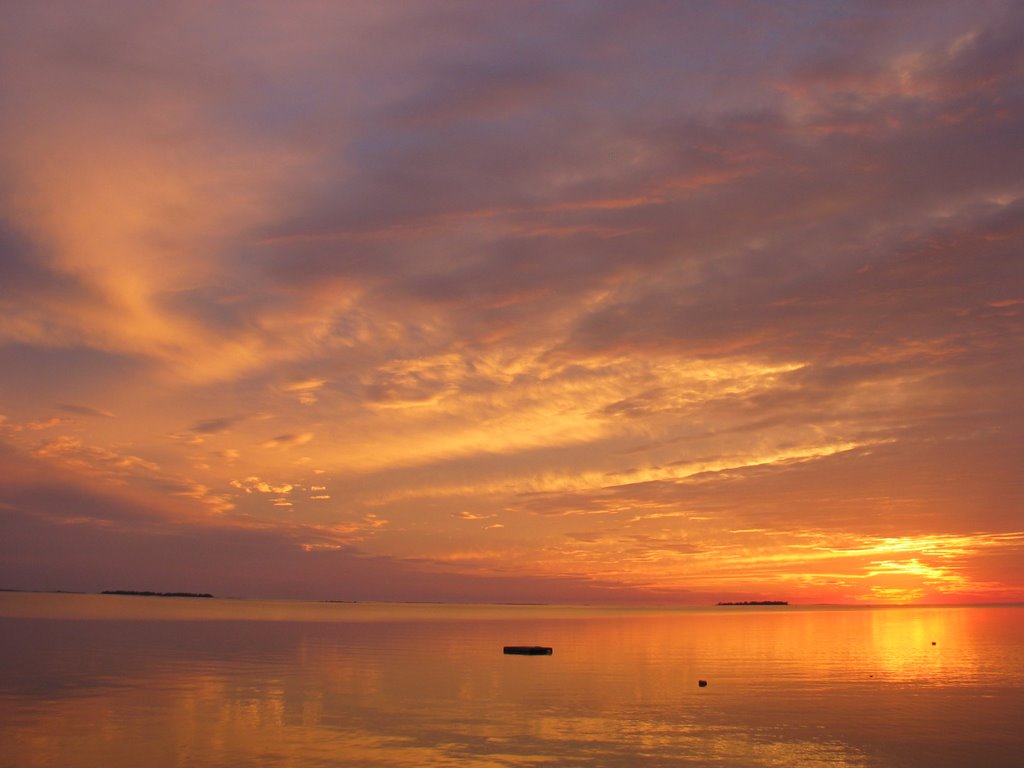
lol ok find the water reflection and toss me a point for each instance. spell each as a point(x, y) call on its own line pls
point(794, 688)
point(926, 646)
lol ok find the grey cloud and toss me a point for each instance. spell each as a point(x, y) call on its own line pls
point(217, 425)
point(778, 203)
point(58, 374)
point(85, 410)
point(288, 440)
point(769, 303)
point(33, 289)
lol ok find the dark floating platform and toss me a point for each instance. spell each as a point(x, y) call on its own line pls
point(527, 650)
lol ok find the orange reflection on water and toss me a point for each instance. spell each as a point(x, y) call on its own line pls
point(924, 645)
point(795, 687)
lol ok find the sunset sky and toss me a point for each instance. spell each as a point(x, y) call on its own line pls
point(608, 302)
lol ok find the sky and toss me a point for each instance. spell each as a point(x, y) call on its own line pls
point(602, 302)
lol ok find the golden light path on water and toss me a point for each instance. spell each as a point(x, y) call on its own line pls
point(126, 681)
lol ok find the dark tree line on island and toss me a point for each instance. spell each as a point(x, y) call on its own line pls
point(154, 594)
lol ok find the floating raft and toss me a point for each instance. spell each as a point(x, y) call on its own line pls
point(527, 650)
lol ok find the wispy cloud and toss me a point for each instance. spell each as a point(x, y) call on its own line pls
point(85, 410)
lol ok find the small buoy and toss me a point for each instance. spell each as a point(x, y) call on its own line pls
point(933, 642)
point(702, 683)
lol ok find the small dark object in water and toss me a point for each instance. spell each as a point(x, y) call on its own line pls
point(528, 650)
point(933, 642)
point(702, 683)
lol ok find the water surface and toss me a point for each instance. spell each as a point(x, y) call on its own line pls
point(115, 681)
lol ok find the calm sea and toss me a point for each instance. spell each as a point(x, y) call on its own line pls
point(118, 682)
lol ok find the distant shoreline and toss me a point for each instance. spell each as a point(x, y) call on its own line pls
point(653, 606)
point(153, 594)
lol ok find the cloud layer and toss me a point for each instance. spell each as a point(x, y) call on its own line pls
point(620, 301)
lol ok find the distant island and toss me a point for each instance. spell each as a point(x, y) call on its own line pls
point(759, 602)
point(154, 594)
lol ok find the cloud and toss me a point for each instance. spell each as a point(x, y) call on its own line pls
point(287, 441)
point(215, 426)
point(471, 516)
point(85, 410)
point(628, 278)
point(305, 390)
point(253, 483)
point(71, 451)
